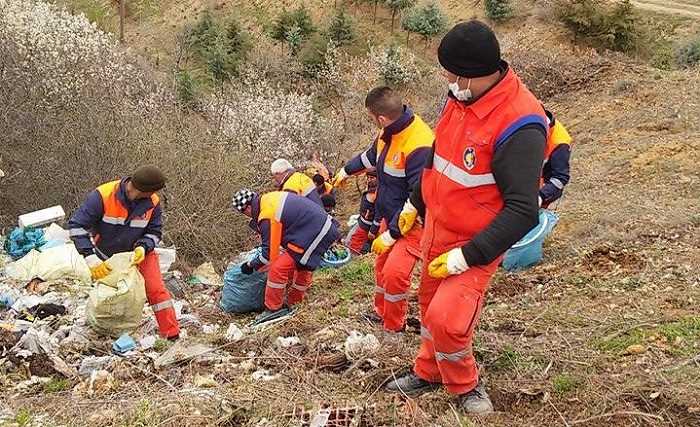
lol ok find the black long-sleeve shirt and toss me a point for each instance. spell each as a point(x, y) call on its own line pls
point(516, 167)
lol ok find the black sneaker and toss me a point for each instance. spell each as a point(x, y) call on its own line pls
point(270, 315)
point(174, 338)
point(476, 401)
point(411, 385)
point(372, 317)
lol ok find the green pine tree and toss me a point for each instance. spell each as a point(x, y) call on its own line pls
point(498, 10)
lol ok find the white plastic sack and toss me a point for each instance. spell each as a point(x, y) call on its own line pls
point(59, 262)
point(56, 232)
point(115, 305)
point(166, 258)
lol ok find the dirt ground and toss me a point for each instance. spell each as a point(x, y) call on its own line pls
point(604, 332)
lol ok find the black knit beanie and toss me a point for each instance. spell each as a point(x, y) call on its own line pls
point(148, 179)
point(470, 49)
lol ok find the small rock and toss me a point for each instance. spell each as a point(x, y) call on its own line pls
point(635, 349)
point(654, 395)
point(264, 375)
point(210, 329)
point(93, 363)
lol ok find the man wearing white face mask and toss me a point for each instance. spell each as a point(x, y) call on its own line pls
point(478, 194)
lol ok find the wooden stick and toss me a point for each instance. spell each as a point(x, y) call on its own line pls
point(614, 414)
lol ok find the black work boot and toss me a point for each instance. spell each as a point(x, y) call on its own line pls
point(270, 315)
point(372, 317)
point(476, 401)
point(411, 385)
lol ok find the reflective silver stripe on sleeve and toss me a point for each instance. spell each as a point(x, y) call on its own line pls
point(274, 285)
point(317, 241)
point(453, 357)
point(364, 221)
point(153, 237)
point(263, 259)
point(113, 220)
point(280, 208)
point(101, 255)
point(300, 288)
point(394, 297)
point(557, 183)
point(398, 173)
point(75, 232)
point(425, 333)
point(378, 290)
point(138, 223)
point(460, 176)
point(162, 305)
point(365, 160)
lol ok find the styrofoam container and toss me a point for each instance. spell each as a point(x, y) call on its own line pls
point(42, 217)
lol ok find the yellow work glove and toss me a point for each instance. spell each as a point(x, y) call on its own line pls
point(98, 268)
point(383, 243)
point(407, 217)
point(138, 256)
point(339, 178)
point(448, 264)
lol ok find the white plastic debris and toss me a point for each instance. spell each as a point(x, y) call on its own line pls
point(286, 342)
point(210, 329)
point(358, 346)
point(206, 274)
point(166, 258)
point(148, 342)
point(36, 341)
point(42, 217)
point(233, 333)
point(56, 232)
point(247, 365)
point(264, 375)
point(93, 363)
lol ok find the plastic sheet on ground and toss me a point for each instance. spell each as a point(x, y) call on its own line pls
point(116, 303)
point(22, 240)
point(60, 262)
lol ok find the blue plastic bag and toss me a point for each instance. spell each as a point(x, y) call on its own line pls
point(22, 240)
point(243, 293)
point(528, 251)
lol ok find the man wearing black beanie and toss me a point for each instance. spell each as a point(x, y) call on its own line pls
point(478, 196)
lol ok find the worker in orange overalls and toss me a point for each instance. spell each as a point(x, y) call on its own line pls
point(398, 153)
point(478, 193)
point(366, 229)
point(122, 216)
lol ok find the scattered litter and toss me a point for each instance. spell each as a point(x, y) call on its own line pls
point(101, 382)
point(269, 318)
point(206, 275)
point(210, 329)
point(93, 363)
point(78, 340)
point(180, 352)
point(286, 342)
point(358, 346)
point(148, 342)
point(42, 311)
point(264, 375)
point(36, 341)
point(189, 321)
point(123, 344)
point(55, 232)
point(247, 365)
point(233, 333)
point(60, 262)
point(336, 256)
point(37, 286)
point(174, 284)
point(41, 217)
point(166, 258)
point(21, 241)
point(205, 381)
point(32, 381)
point(26, 301)
point(6, 300)
point(635, 349)
point(325, 334)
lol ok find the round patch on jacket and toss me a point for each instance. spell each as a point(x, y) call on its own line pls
point(469, 158)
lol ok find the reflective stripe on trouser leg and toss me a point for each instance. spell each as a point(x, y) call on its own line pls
point(379, 263)
point(158, 296)
point(426, 365)
point(396, 279)
point(450, 320)
point(278, 277)
point(302, 282)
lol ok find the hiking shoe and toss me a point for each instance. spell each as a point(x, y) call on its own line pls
point(372, 317)
point(476, 401)
point(411, 385)
point(270, 315)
